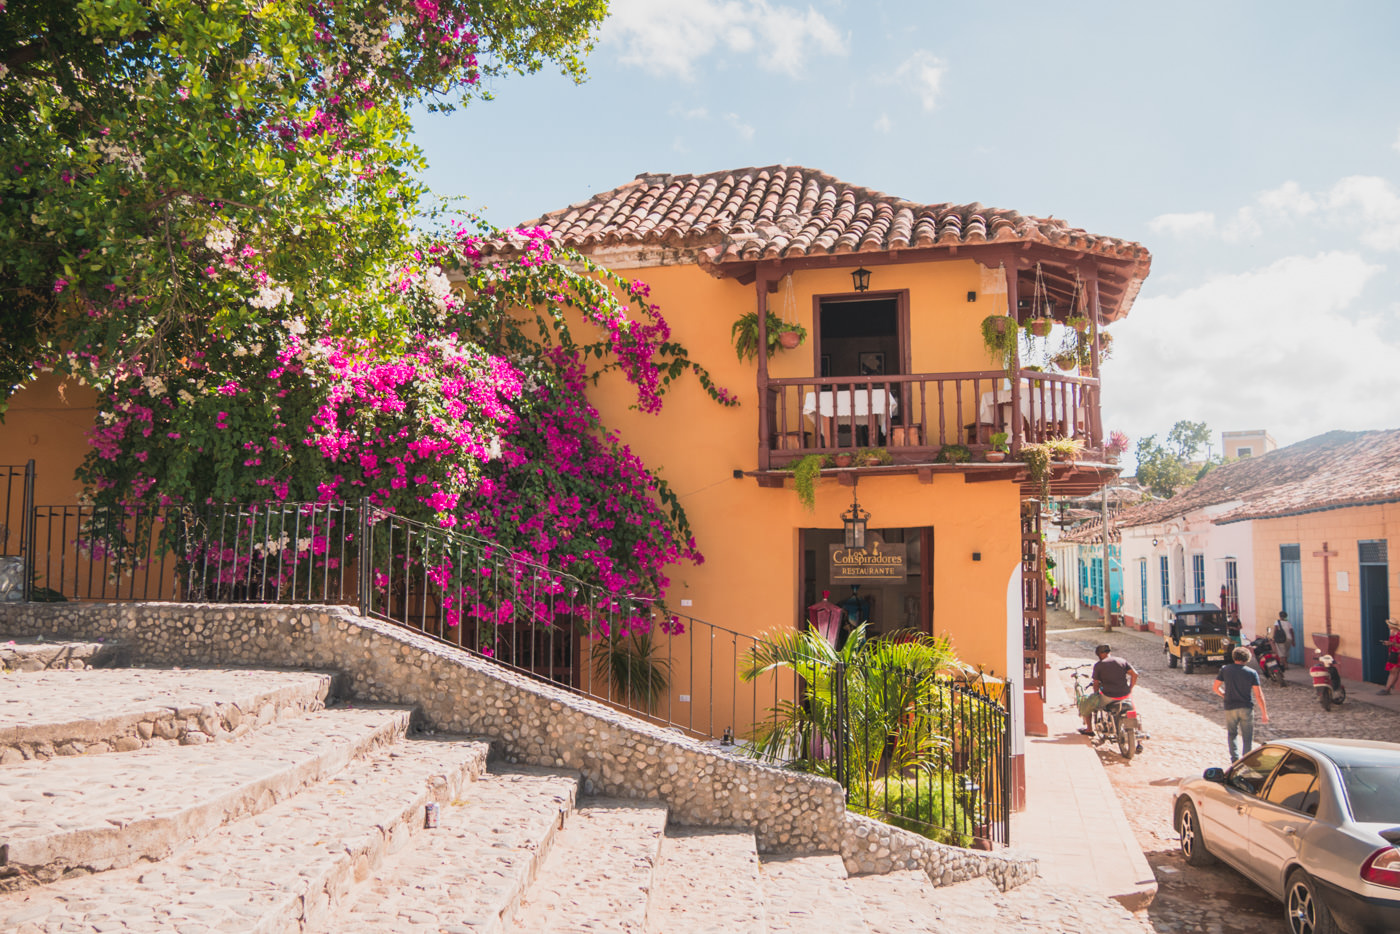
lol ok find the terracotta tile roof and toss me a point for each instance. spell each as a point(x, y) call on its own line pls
point(1340, 468)
point(780, 212)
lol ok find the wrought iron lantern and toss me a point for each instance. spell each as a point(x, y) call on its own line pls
point(855, 520)
point(861, 279)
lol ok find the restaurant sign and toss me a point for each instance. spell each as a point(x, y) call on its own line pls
point(877, 561)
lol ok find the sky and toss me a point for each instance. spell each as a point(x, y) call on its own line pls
point(1253, 148)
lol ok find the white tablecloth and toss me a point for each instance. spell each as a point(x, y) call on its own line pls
point(839, 404)
point(1030, 407)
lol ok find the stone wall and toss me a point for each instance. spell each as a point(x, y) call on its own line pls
point(530, 721)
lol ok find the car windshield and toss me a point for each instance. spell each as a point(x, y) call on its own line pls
point(1373, 793)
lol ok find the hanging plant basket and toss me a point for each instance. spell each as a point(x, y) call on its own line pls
point(1079, 323)
point(1065, 361)
point(1040, 327)
point(789, 339)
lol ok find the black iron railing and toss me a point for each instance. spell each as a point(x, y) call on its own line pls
point(17, 526)
point(627, 651)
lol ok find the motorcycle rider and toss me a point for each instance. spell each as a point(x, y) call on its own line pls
point(1113, 678)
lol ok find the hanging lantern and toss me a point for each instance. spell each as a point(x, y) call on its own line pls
point(861, 279)
point(855, 520)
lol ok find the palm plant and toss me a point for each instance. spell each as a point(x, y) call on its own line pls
point(629, 662)
point(889, 688)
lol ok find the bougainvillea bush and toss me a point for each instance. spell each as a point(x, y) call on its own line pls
point(211, 215)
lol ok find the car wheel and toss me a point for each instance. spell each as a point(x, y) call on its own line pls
point(1188, 663)
point(1193, 845)
point(1172, 660)
point(1304, 911)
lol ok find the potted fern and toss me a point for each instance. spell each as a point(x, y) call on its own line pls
point(1000, 335)
point(781, 333)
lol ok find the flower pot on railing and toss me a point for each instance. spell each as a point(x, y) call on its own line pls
point(843, 459)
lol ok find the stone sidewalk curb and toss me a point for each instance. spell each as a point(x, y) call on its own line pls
point(1073, 821)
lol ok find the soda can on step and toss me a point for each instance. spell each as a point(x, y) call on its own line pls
point(430, 815)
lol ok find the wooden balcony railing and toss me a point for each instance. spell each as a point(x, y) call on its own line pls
point(916, 416)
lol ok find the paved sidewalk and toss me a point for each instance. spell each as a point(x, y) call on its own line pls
point(1072, 821)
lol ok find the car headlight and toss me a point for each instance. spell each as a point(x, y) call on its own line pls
point(1383, 868)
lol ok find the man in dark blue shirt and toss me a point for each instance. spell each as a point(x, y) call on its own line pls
point(1239, 686)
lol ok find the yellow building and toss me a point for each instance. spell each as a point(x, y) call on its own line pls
point(892, 297)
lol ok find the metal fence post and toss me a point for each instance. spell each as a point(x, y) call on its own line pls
point(26, 534)
point(841, 703)
point(363, 550)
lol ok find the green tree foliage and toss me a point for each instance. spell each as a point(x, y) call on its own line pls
point(1166, 468)
point(143, 137)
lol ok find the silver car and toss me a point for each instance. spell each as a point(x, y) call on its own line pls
point(1314, 822)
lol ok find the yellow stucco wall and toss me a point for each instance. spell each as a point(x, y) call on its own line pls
point(751, 578)
point(1342, 530)
point(48, 421)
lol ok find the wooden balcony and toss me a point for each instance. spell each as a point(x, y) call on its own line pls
point(914, 417)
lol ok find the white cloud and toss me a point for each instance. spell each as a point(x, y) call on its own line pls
point(1285, 347)
point(883, 124)
point(1369, 205)
point(744, 130)
point(924, 72)
point(1195, 224)
point(1362, 207)
point(669, 36)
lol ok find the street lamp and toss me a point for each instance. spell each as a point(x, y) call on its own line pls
point(855, 520)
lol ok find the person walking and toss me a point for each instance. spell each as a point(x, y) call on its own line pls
point(1282, 636)
point(1392, 662)
point(1239, 686)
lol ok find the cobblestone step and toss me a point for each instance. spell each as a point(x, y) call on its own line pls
point(906, 902)
point(284, 869)
point(25, 655)
point(599, 874)
point(707, 880)
point(66, 713)
point(810, 895)
point(471, 872)
point(89, 814)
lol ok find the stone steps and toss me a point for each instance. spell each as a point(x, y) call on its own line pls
point(726, 896)
point(66, 713)
point(270, 814)
point(89, 814)
point(810, 895)
point(472, 870)
point(25, 655)
point(284, 869)
point(598, 878)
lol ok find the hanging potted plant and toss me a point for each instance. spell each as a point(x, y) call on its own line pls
point(1000, 335)
point(1079, 323)
point(1039, 327)
point(1065, 360)
point(1036, 457)
point(804, 477)
point(744, 333)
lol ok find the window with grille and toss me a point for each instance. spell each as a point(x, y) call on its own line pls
point(1373, 552)
point(1166, 581)
point(1288, 553)
point(1198, 577)
point(1232, 587)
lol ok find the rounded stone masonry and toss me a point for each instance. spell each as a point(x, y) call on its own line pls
point(529, 721)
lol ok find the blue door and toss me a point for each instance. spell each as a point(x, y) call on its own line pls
point(1291, 570)
point(1375, 607)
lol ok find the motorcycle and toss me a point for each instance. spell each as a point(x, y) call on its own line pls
point(1327, 681)
point(1117, 721)
point(1268, 659)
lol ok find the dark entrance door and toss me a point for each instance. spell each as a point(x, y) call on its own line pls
point(1375, 608)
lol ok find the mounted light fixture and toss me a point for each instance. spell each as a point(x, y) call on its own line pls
point(861, 279)
point(855, 520)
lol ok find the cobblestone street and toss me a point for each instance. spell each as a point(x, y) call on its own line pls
point(1183, 716)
